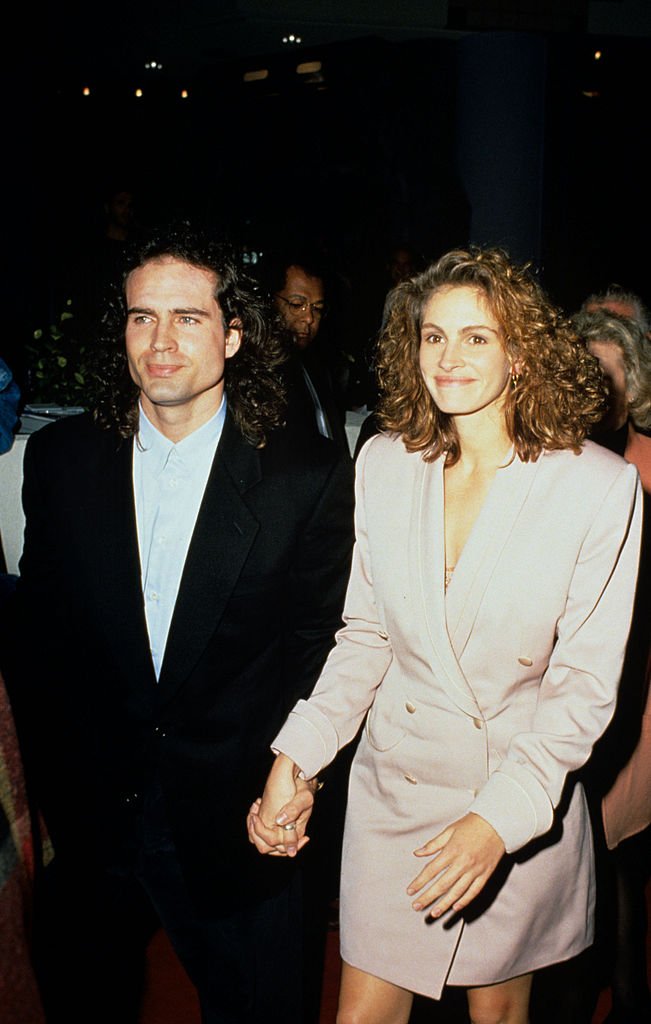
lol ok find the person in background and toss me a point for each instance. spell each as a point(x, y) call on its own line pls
point(496, 551)
point(24, 848)
point(9, 399)
point(182, 578)
point(620, 771)
point(622, 302)
point(298, 286)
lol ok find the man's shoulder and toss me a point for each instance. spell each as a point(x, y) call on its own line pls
point(72, 437)
point(302, 451)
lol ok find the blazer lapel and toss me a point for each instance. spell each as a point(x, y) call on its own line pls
point(120, 598)
point(484, 546)
point(428, 567)
point(222, 538)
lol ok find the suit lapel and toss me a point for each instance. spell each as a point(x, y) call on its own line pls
point(122, 609)
point(222, 538)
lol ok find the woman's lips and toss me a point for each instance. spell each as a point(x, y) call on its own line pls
point(451, 382)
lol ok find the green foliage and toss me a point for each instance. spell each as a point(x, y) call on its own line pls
point(59, 371)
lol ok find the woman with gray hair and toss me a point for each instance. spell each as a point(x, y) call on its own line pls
point(621, 769)
point(624, 353)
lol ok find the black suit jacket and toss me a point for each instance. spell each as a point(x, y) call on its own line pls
point(259, 601)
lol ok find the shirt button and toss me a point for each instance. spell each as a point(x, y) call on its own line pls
point(410, 778)
point(477, 722)
point(525, 661)
point(410, 707)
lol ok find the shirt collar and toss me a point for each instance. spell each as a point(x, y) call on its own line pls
point(158, 447)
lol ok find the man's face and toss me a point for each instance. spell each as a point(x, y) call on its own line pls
point(176, 343)
point(300, 303)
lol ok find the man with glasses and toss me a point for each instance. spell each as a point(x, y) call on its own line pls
point(298, 288)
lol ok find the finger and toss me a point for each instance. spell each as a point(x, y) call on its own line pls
point(260, 844)
point(432, 870)
point(459, 896)
point(290, 838)
point(300, 805)
point(272, 836)
point(435, 845)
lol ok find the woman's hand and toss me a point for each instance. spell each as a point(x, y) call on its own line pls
point(465, 855)
point(276, 823)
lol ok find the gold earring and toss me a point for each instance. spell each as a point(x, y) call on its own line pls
point(515, 378)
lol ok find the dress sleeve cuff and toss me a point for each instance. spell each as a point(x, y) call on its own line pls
point(308, 738)
point(515, 805)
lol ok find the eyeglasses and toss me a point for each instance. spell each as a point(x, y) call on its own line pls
point(299, 304)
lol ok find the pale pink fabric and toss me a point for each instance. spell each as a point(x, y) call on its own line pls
point(479, 699)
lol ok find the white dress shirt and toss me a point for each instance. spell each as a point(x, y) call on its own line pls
point(168, 483)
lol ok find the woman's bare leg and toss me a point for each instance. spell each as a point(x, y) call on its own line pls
point(507, 1002)
point(365, 999)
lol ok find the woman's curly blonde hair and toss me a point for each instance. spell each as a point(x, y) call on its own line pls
point(559, 392)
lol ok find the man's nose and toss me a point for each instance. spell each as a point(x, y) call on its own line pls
point(163, 336)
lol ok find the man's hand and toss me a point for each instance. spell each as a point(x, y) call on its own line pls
point(276, 823)
point(465, 855)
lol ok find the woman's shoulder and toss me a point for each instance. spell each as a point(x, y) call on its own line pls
point(594, 468)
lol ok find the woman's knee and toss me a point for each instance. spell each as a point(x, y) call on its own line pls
point(365, 999)
point(504, 1003)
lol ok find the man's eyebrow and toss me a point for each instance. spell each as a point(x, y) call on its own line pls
point(183, 311)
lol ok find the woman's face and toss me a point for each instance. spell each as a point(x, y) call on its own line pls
point(462, 359)
point(611, 360)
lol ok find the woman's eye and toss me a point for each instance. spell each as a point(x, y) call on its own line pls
point(433, 339)
point(476, 339)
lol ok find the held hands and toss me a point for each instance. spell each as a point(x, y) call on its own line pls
point(276, 823)
point(465, 855)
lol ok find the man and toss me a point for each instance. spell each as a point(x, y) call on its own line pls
point(298, 288)
point(181, 582)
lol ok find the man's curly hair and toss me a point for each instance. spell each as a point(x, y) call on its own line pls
point(560, 391)
point(256, 395)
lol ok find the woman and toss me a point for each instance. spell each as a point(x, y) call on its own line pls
point(621, 769)
point(494, 554)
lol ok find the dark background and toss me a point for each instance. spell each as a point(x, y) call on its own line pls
point(431, 124)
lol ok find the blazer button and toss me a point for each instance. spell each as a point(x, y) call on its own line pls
point(411, 779)
point(410, 707)
point(525, 661)
point(477, 722)
point(382, 635)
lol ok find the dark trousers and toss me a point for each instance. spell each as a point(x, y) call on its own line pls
point(93, 928)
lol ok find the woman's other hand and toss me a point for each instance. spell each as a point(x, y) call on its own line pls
point(465, 855)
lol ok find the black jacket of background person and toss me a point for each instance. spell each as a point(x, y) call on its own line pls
point(259, 601)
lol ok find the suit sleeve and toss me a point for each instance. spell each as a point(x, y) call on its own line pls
point(317, 728)
point(578, 691)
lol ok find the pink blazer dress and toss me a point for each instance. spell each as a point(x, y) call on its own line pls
point(483, 698)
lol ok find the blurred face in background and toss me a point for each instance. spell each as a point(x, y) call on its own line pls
point(611, 360)
point(301, 305)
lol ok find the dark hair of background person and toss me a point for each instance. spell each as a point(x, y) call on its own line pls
point(560, 392)
point(256, 396)
point(273, 269)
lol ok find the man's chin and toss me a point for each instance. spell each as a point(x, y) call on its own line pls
point(302, 340)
